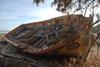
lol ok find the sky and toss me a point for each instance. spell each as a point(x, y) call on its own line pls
point(16, 12)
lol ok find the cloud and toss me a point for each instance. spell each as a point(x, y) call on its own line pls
point(16, 12)
point(47, 13)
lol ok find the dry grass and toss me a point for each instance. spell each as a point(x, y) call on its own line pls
point(93, 59)
point(1, 36)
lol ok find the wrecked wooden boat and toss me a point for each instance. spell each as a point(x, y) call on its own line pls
point(65, 35)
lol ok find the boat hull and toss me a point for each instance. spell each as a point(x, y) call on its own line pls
point(67, 35)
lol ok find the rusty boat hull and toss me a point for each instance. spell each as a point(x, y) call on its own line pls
point(65, 35)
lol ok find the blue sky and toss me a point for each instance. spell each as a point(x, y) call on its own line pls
point(16, 12)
